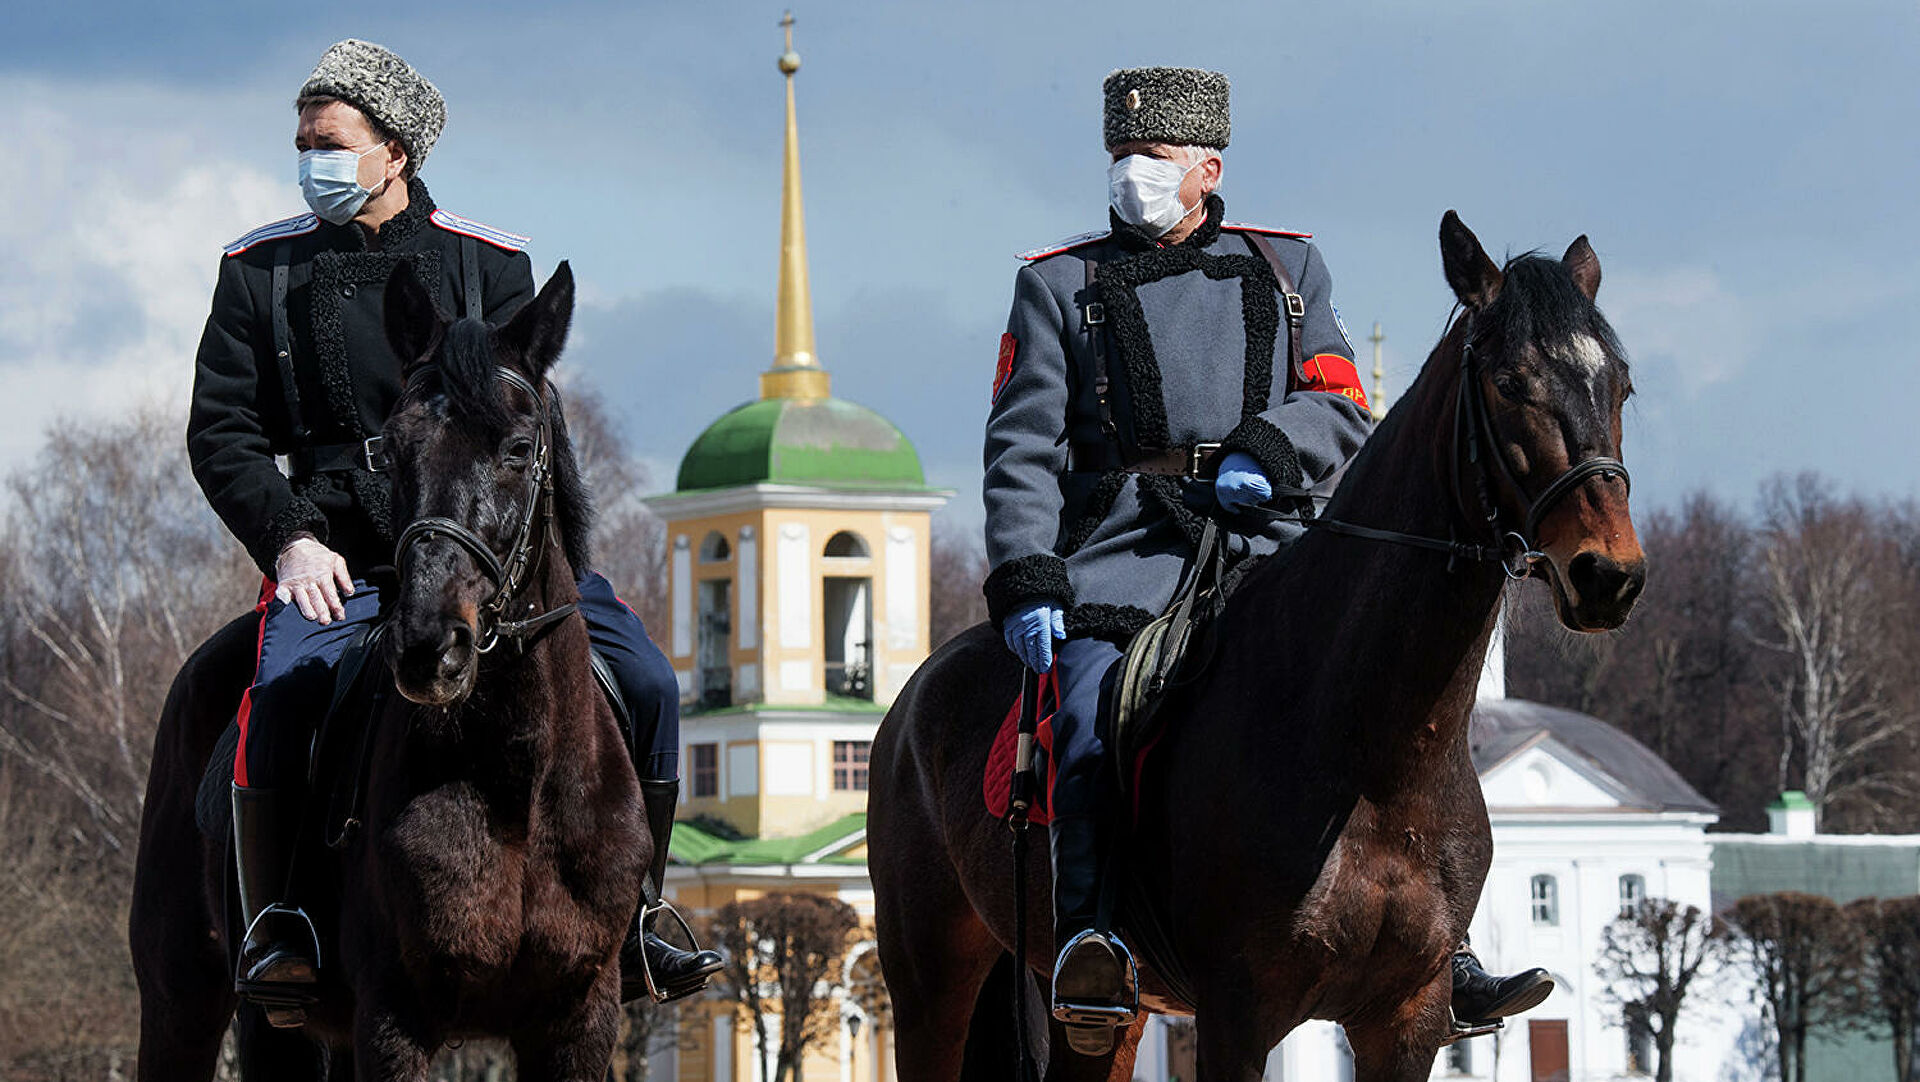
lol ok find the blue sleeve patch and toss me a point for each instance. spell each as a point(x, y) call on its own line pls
point(1342, 324)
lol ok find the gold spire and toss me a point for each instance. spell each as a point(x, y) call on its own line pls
point(796, 371)
point(1379, 374)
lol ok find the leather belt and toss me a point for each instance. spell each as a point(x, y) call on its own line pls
point(338, 457)
point(1200, 462)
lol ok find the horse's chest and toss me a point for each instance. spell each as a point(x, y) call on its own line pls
point(483, 893)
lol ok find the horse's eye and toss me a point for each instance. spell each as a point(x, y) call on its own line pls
point(1511, 388)
point(519, 452)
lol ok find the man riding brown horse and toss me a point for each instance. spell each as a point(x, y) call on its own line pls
point(295, 361)
point(1176, 364)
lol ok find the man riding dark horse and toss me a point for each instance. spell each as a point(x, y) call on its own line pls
point(1174, 365)
point(295, 361)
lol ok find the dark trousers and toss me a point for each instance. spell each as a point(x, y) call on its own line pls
point(1079, 755)
point(293, 682)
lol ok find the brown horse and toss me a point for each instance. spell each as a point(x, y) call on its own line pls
point(1313, 840)
point(503, 840)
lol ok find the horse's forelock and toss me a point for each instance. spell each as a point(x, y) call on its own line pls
point(1539, 302)
point(467, 375)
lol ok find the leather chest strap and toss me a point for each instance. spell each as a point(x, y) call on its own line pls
point(1290, 301)
point(1093, 317)
point(283, 342)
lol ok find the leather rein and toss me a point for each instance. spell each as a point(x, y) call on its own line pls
point(1515, 550)
point(510, 575)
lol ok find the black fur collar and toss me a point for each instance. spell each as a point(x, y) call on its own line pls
point(352, 238)
point(1131, 238)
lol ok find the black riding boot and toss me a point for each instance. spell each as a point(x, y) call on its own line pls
point(278, 968)
point(676, 973)
point(1092, 978)
point(1479, 996)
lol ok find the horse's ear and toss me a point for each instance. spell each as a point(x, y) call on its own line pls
point(1474, 278)
point(1583, 265)
point(538, 331)
point(413, 321)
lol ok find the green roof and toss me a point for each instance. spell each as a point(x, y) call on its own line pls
point(691, 845)
point(826, 442)
point(1791, 800)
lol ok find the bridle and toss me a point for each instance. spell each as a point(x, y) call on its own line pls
point(509, 576)
point(1515, 550)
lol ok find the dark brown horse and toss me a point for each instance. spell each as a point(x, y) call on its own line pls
point(503, 838)
point(1313, 840)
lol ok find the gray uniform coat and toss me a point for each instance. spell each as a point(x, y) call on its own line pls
point(1196, 351)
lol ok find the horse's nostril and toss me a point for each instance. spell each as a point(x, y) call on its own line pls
point(1601, 579)
point(454, 644)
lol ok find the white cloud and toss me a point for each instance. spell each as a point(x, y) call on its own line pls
point(113, 234)
point(1684, 321)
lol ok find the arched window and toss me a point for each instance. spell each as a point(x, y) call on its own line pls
point(846, 543)
point(1633, 891)
point(1545, 891)
point(715, 550)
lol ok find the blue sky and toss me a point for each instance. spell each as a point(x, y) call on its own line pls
point(1746, 172)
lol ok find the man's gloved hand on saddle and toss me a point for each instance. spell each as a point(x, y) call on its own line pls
point(1030, 631)
point(1241, 483)
point(313, 578)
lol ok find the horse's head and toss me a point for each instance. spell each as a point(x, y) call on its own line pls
point(1547, 381)
point(484, 477)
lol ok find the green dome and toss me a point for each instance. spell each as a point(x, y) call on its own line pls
point(825, 442)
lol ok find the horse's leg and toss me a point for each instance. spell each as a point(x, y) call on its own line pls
point(268, 1054)
point(387, 1046)
point(936, 954)
point(577, 1046)
point(1066, 1065)
point(186, 989)
point(1400, 1046)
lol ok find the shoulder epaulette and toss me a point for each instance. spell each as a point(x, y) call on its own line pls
point(467, 227)
point(1057, 247)
point(285, 227)
point(1249, 227)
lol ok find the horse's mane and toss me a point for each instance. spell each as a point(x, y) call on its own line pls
point(466, 365)
point(1539, 302)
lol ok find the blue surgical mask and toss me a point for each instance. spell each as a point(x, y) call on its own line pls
point(330, 179)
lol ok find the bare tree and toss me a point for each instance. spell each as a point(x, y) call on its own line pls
point(1649, 961)
point(629, 541)
point(1802, 953)
point(784, 958)
point(1826, 577)
point(123, 570)
point(959, 567)
point(1889, 992)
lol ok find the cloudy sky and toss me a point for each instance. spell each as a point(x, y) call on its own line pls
point(1746, 170)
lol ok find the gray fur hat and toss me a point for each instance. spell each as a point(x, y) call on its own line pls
point(373, 79)
point(1183, 106)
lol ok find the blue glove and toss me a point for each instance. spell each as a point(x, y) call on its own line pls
point(1030, 631)
point(1241, 482)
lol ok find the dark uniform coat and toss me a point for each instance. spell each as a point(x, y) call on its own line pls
point(1196, 351)
point(345, 376)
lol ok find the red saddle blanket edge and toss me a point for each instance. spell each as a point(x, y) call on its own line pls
point(996, 782)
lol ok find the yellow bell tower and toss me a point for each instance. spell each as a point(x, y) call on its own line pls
point(798, 534)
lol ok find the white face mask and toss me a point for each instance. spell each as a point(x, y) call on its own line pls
point(1145, 192)
point(330, 179)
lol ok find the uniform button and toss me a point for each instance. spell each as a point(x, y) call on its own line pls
point(346, 291)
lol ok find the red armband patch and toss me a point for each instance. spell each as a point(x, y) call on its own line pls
point(1333, 374)
point(1008, 347)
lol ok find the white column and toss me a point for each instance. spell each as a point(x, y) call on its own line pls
point(903, 589)
point(793, 569)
